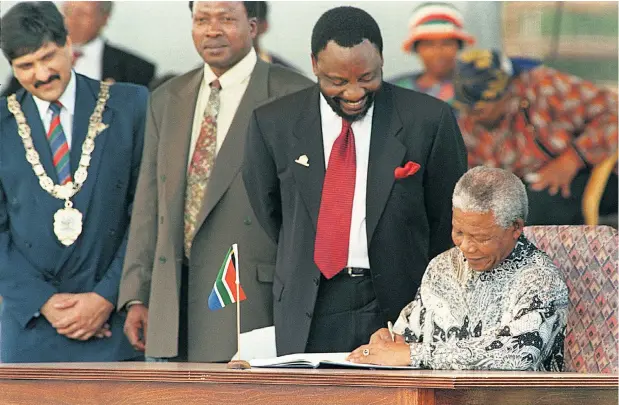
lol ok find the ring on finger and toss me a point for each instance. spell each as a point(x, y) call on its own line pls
point(366, 352)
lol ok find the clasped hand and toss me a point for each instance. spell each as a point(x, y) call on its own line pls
point(79, 316)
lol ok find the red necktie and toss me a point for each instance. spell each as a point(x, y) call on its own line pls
point(338, 190)
point(76, 55)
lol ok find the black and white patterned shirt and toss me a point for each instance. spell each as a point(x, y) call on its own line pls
point(512, 317)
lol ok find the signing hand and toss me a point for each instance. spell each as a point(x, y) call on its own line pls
point(136, 322)
point(382, 353)
point(85, 317)
point(383, 335)
point(558, 174)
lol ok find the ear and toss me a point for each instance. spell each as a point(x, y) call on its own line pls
point(314, 64)
point(518, 228)
point(253, 27)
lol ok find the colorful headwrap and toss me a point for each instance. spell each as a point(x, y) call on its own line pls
point(482, 75)
point(435, 21)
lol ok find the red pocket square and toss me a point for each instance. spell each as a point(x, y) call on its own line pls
point(409, 169)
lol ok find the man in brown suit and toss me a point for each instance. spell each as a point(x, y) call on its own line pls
point(191, 204)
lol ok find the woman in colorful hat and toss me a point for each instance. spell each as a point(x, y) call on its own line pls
point(436, 35)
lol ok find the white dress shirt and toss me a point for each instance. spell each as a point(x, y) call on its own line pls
point(91, 62)
point(233, 85)
point(331, 128)
point(67, 99)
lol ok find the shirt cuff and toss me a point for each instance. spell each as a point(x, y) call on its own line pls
point(419, 354)
point(132, 302)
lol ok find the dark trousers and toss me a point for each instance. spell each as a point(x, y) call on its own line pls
point(346, 314)
point(545, 209)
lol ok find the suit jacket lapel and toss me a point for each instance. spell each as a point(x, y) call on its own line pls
point(308, 141)
point(175, 135)
point(386, 153)
point(230, 157)
point(39, 136)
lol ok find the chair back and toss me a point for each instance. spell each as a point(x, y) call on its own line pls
point(588, 257)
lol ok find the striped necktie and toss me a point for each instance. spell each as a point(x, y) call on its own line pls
point(58, 144)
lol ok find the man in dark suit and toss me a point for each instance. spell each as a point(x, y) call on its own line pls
point(92, 55)
point(191, 205)
point(262, 8)
point(67, 180)
point(354, 239)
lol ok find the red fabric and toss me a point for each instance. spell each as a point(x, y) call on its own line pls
point(338, 190)
point(409, 169)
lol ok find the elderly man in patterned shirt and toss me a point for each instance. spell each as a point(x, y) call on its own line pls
point(547, 127)
point(493, 302)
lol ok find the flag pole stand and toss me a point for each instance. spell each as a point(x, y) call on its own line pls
point(238, 364)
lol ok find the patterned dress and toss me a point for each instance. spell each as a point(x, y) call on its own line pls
point(512, 317)
point(547, 113)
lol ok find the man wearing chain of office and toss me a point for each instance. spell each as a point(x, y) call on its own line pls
point(70, 150)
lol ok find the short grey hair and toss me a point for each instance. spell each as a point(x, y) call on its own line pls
point(485, 189)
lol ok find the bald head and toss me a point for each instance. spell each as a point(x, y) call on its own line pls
point(85, 19)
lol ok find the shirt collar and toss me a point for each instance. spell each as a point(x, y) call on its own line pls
point(93, 47)
point(67, 99)
point(236, 74)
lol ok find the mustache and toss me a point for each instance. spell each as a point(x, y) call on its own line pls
point(40, 83)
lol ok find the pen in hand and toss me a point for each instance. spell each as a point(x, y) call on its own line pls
point(390, 327)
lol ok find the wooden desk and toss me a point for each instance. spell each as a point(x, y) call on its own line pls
point(193, 383)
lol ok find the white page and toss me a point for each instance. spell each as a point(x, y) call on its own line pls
point(314, 359)
point(258, 344)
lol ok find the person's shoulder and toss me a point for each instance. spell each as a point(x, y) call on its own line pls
point(406, 80)
point(450, 258)
point(284, 78)
point(4, 109)
point(177, 84)
point(417, 105)
point(125, 94)
point(540, 272)
point(283, 104)
point(129, 56)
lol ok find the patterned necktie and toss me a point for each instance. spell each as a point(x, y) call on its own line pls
point(58, 144)
point(201, 165)
point(338, 191)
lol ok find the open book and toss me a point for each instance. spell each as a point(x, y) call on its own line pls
point(315, 360)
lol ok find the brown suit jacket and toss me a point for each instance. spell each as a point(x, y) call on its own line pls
point(153, 262)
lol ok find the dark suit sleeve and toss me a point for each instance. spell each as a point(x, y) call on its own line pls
point(108, 286)
point(261, 181)
point(446, 164)
point(22, 287)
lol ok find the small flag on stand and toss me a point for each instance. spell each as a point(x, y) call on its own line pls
point(225, 291)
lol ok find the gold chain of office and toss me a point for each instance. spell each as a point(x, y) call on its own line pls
point(67, 220)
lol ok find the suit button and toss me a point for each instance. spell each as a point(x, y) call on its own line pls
point(247, 221)
point(309, 314)
point(56, 282)
point(162, 178)
point(97, 278)
point(161, 220)
point(317, 280)
point(163, 259)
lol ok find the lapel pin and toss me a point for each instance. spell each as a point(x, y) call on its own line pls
point(303, 160)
